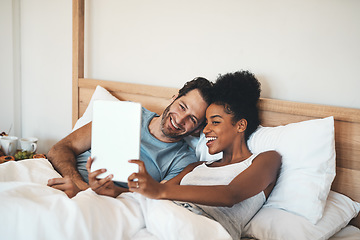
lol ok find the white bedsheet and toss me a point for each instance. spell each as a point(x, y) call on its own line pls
point(31, 210)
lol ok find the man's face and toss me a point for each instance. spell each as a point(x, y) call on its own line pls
point(183, 115)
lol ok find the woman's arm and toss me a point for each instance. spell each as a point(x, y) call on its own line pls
point(256, 178)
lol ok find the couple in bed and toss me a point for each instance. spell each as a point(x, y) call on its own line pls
point(230, 190)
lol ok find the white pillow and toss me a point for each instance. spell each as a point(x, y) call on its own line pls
point(308, 164)
point(271, 223)
point(100, 93)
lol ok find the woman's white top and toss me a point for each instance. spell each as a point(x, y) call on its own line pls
point(207, 175)
point(234, 218)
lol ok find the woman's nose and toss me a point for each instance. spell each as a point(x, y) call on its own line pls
point(206, 129)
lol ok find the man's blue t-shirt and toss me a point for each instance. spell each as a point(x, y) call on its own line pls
point(163, 161)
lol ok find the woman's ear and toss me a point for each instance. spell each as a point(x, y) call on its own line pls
point(242, 125)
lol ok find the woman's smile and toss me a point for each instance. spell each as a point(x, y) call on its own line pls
point(210, 140)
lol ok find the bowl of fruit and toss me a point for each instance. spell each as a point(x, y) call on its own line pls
point(20, 155)
point(2, 134)
point(6, 159)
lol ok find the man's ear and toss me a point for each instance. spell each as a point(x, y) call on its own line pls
point(171, 100)
point(196, 133)
point(174, 97)
point(198, 130)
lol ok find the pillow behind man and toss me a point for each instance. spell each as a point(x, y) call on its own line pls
point(100, 93)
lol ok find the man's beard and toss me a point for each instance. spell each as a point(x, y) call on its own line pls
point(165, 131)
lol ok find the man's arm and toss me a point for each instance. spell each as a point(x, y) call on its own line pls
point(63, 157)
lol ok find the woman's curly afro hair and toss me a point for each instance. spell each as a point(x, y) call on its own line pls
point(239, 93)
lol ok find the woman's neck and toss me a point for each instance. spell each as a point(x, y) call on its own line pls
point(236, 153)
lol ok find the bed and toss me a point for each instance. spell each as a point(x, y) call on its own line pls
point(31, 210)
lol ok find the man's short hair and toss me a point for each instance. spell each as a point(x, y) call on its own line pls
point(202, 84)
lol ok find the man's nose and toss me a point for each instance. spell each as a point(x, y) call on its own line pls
point(182, 119)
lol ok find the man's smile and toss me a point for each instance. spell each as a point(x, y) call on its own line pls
point(174, 124)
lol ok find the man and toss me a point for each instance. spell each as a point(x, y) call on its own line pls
point(163, 149)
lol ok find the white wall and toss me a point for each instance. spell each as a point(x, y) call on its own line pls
point(301, 50)
point(45, 65)
point(8, 99)
point(46, 70)
point(304, 51)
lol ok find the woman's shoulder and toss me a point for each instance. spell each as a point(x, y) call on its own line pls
point(270, 156)
point(195, 164)
point(270, 153)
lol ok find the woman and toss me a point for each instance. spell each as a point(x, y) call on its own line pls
point(232, 189)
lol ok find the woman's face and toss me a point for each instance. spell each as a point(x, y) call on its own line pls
point(219, 131)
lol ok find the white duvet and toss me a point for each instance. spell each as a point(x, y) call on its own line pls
point(31, 210)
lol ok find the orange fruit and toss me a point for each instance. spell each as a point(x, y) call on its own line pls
point(39, 156)
point(6, 159)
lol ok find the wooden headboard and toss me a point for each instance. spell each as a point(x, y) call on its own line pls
point(273, 112)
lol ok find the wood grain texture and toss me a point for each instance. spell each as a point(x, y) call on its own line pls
point(77, 53)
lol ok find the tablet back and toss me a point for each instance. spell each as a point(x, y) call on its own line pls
point(115, 138)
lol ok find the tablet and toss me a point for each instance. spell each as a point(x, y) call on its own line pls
point(115, 138)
